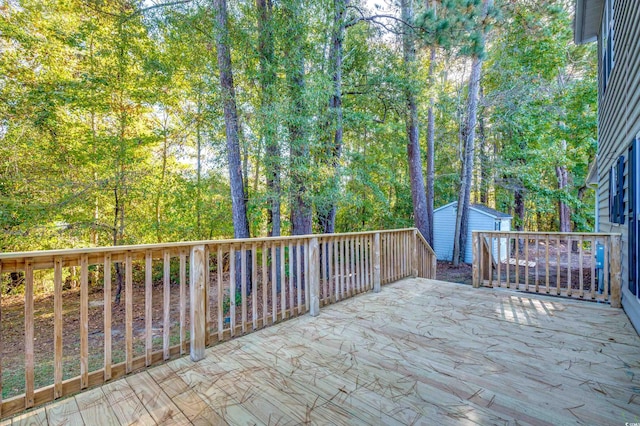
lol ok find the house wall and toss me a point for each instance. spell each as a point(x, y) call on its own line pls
point(619, 124)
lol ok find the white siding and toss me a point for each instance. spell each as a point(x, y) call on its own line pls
point(444, 225)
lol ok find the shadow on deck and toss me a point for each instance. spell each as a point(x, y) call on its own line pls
point(421, 351)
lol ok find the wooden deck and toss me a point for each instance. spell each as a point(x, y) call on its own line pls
point(419, 352)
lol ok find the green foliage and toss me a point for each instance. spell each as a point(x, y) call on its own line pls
point(106, 108)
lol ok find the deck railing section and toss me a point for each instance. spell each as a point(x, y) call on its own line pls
point(134, 306)
point(578, 265)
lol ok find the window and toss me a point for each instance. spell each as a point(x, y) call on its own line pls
point(497, 225)
point(606, 35)
point(616, 192)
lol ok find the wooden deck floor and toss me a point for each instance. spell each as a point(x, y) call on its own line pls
point(419, 352)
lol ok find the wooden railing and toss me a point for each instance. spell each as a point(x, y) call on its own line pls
point(174, 298)
point(578, 265)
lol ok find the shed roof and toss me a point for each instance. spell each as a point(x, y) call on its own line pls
point(480, 208)
point(587, 20)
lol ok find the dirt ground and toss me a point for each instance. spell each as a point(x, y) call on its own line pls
point(445, 271)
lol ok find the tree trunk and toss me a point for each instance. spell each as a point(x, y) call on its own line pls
point(418, 194)
point(431, 136)
point(227, 88)
point(564, 214)
point(267, 92)
point(327, 209)
point(464, 195)
point(485, 166)
point(301, 214)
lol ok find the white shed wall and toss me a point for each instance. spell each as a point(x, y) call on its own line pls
point(444, 225)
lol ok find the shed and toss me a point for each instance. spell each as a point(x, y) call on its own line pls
point(481, 218)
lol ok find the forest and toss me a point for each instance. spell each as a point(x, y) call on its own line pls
point(140, 121)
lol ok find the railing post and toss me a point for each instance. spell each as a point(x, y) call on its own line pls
point(616, 271)
point(476, 264)
point(314, 277)
point(414, 257)
point(198, 295)
point(376, 263)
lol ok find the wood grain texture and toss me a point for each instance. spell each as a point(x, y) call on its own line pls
point(183, 299)
point(57, 329)
point(28, 335)
point(128, 302)
point(148, 306)
point(84, 321)
point(420, 352)
point(197, 293)
point(107, 316)
point(93, 409)
point(166, 303)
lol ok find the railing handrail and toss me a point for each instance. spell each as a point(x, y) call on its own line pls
point(591, 234)
point(321, 268)
point(182, 244)
point(425, 242)
point(487, 245)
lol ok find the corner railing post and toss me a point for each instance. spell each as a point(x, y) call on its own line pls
point(616, 271)
point(314, 277)
point(376, 263)
point(414, 257)
point(476, 263)
point(198, 295)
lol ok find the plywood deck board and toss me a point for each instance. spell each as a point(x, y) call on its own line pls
point(93, 409)
point(419, 352)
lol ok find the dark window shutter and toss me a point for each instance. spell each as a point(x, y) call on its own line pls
point(620, 182)
point(612, 196)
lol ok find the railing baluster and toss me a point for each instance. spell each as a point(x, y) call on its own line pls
point(508, 263)
point(517, 263)
point(581, 270)
point(254, 286)
point(283, 293)
point(526, 264)
point(28, 334)
point(107, 316)
point(232, 290)
point(569, 250)
point(547, 266)
point(148, 306)
point(537, 262)
point(558, 253)
point(84, 321)
point(291, 278)
point(499, 261)
point(57, 329)
point(183, 299)
point(274, 283)
point(128, 302)
point(243, 286)
point(166, 281)
point(314, 277)
point(298, 278)
point(593, 268)
point(336, 269)
point(306, 276)
point(207, 294)
point(265, 284)
point(219, 271)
